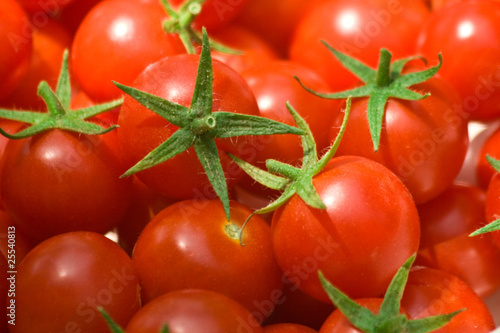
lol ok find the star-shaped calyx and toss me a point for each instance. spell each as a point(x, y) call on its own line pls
point(387, 81)
point(59, 113)
point(199, 126)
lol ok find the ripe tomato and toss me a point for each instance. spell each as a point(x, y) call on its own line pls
point(63, 280)
point(493, 205)
point(465, 32)
point(141, 130)
point(431, 292)
point(358, 28)
point(368, 230)
point(72, 15)
point(12, 239)
point(15, 44)
point(446, 223)
point(288, 328)
point(48, 7)
point(193, 310)
point(59, 181)
point(116, 41)
point(490, 146)
point(190, 244)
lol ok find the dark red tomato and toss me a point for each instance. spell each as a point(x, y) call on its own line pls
point(45, 7)
point(63, 280)
point(215, 14)
point(493, 205)
point(15, 44)
point(423, 142)
point(190, 244)
point(141, 130)
point(359, 28)
point(49, 42)
point(288, 328)
point(116, 41)
point(58, 181)
point(338, 323)
point(431, 292)
point(72, 15)
point(261, 17)
point(193, 310)
point(368, 230)
point(446, 223)
point(14, 245)
point(466, 33)
point(256, 50)
point(4, 292)
point(491, 146)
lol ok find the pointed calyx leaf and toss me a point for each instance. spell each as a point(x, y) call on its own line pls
point(387, 81)
point(59, 115)
point(292, 180)
point(199, 126)
point(388, 319)
point(180, 22)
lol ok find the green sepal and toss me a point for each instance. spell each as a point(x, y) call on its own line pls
point(388, 319)
point(387, 81)
point(199, 126)
point(59, 113)
point(112, 325)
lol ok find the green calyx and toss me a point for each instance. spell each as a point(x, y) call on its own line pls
point(389, 319)
point(180, 22)
point(495, 225)
point(59, 115)
point(199, 127)
point(387, 81)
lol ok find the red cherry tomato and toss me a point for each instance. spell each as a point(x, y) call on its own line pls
point(288, 328)
point(491, 147)
point(193, 310)
point(359, 28)
point(190, 244)
point(14, 245)
point(63, 280)
point(493, 205)
point(47, 7)
point(116, 41)
point(368, 230)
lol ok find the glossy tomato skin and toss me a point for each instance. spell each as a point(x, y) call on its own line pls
point(193, 310)
point(16, 43)
point(141, 130)
point(63, 280)
point(431, 292)
point(187, 245)
point(368, 230)
point(58, 181)
point(466, 33)
point(110, 28)
point(493, 205)
point(484, 171)
point(288, 328)
point(423, 142)
point(356, 27)
point(446, 223)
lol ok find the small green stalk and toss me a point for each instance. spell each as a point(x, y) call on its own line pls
point(387, 81)
point(199, 127)
point(59, 114)
point(389, 319)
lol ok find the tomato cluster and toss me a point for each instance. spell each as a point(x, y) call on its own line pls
point(249, 165)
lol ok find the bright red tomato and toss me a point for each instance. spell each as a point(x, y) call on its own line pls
point(57, 181)
point(15, 44)
point(63, 280)
point(116, 41)
point(491, 147)
point(423, 142)
point(190, 244)
point(288, 328)
point(359, 28)
point(465, 32)
point(493, 205)
point(446, 223)
point(431, 292)
point(141, 130)
point(193, 310)
point(368, 230)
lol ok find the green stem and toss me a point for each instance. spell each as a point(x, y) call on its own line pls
point(383, 77)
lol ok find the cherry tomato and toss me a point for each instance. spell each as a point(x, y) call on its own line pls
point(15, 44)
point(431, 292)
point(63, 280)
point(190, 244)
point(368, 230)
point(116, 41)
point(288, 328)
point(446, 223)
point(13, 241)
point(45, 7)
point(59, 181)
point(356, 27)
point(484, 170)
point(465, 33)
point(193, 310)
point(493, 205)
point(141, 130)
point(72, 15)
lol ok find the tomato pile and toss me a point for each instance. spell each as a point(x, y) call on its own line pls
point(250, 166)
